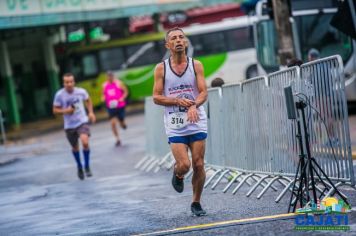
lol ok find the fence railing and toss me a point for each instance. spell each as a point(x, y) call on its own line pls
point(156, 139)
point(324, 86)
point(252, 142)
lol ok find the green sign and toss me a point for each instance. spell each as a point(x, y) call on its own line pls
point(76, 36)
point(96, 33)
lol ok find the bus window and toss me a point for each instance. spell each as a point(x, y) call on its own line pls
point(90, 65)
point(315, 31)
point(239, 39)
point(206, 44)
point(214, 43)
point(111, 59)
point(75, 66)
point(144, 54)
point(267, 46)
point(197, 44)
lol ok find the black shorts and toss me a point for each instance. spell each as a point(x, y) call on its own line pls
point(117, 112)
point(73, 134)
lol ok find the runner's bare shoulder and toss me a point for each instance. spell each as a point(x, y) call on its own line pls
point(159, 70)
point(198, 67)
point(197, 63)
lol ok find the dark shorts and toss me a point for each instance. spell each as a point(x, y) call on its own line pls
point(188, 138)
point(73, 134)
point(117, 112)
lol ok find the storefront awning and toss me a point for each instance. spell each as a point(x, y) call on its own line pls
point(32, 13)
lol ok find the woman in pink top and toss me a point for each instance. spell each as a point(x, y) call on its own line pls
point(114, 96)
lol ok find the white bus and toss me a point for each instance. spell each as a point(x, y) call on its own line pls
point(225, 48)
point(232, 38)
point(311, 29)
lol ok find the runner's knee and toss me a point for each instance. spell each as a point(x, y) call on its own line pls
point(85, 141)
point(198, 165)
point(113, 122)
point(184, 166)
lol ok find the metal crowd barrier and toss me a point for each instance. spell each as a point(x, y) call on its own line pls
point(158, 154)
point(247, 144)
point(324, 85)
point(215, 155)
point(250, 139)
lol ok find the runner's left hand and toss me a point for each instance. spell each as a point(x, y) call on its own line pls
point(193, 116)
point(92, 117)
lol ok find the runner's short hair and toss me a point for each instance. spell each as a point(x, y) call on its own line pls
point(68, 74)
point(173, 29)
point(109, 72)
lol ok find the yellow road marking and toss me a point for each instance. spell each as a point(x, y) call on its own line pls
point(202, 226)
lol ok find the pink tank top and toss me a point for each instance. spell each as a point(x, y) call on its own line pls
point(112, 93)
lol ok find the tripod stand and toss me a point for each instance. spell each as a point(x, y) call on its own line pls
point(307, 167)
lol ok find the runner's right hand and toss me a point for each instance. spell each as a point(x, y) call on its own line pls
point(69, 110)
point(183, 102)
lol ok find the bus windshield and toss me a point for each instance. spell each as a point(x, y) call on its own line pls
point(314, 31)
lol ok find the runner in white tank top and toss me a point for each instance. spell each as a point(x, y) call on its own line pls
point(180, 87)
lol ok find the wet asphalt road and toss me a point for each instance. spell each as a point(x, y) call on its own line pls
point(41, 195)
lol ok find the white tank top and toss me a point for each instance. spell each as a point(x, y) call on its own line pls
point(182, 86)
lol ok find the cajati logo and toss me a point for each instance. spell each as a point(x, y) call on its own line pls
point(327, 214)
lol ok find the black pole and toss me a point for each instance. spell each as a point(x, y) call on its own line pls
point(303, 173)
point(300, 194)
point(292, 194)
point(307, 146)
point(301, 167)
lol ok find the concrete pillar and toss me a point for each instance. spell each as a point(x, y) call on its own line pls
point(6, 73)
point(51, 65)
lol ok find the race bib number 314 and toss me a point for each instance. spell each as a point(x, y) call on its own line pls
point(177, 120)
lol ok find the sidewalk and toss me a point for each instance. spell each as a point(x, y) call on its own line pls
point(44, 126)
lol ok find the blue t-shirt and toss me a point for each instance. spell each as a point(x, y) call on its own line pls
point(63, 99)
